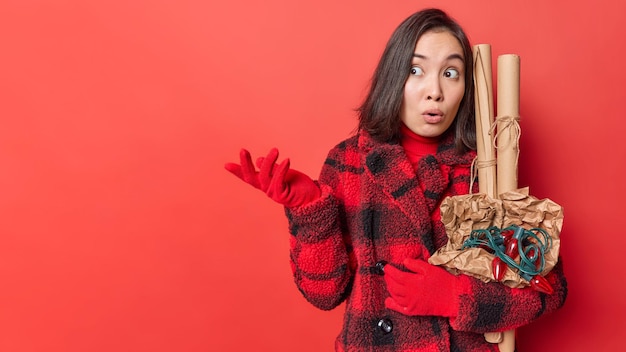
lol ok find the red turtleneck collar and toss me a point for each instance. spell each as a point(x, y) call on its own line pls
point(416, 146)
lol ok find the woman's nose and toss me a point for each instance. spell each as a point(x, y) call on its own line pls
point(434, 91)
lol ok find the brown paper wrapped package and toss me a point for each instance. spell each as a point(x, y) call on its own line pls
point(462, 214)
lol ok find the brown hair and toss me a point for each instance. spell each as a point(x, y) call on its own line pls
point(379, 112)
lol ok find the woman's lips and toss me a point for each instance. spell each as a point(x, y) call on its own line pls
point(433, 116)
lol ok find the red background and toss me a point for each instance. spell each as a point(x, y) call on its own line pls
point(121, 231)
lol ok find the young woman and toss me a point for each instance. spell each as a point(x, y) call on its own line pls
point(364, 231)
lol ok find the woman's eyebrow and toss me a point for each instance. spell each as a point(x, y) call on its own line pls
point(450, 57)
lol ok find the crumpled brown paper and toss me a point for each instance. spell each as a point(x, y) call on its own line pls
point(462, 214)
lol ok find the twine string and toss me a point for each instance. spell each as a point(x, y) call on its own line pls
point(506, 122)
point(476, 165)
point(510, 124)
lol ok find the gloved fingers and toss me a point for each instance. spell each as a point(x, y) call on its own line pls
point(395, 274)
point(266, 169)
point(246, 170)
point(259, 161)
point(278, 188)
point(391, 303)
point(234, 169)
point(418, 266)
point(280, 172)
point(398, 292)
point(395, 284)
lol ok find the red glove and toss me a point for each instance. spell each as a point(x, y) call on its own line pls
point(288, 187)
point(425, 290)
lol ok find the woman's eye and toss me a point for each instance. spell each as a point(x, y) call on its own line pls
point(451, 73)
point(416, 71)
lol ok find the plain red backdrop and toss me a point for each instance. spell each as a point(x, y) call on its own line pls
point(121, 231)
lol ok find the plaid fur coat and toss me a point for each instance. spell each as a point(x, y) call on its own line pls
point(376, 209)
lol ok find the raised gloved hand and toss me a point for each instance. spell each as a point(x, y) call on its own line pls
point(425, 290)
point(288, 187)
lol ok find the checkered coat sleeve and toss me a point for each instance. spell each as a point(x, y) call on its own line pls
point(376, 209)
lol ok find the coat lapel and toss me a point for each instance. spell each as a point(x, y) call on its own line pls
point(387, 166)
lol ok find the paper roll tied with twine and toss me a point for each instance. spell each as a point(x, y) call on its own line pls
point(507, 138)
point(500, 203)
point(507, 122)
point(485, 149)
point(486, 166)
point(483, 98)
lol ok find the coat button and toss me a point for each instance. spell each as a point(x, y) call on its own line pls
point(385, 325)
point(380, 267)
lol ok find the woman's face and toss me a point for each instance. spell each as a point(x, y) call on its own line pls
point(436, 84)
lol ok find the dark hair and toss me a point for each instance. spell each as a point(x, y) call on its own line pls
point(379, 113)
